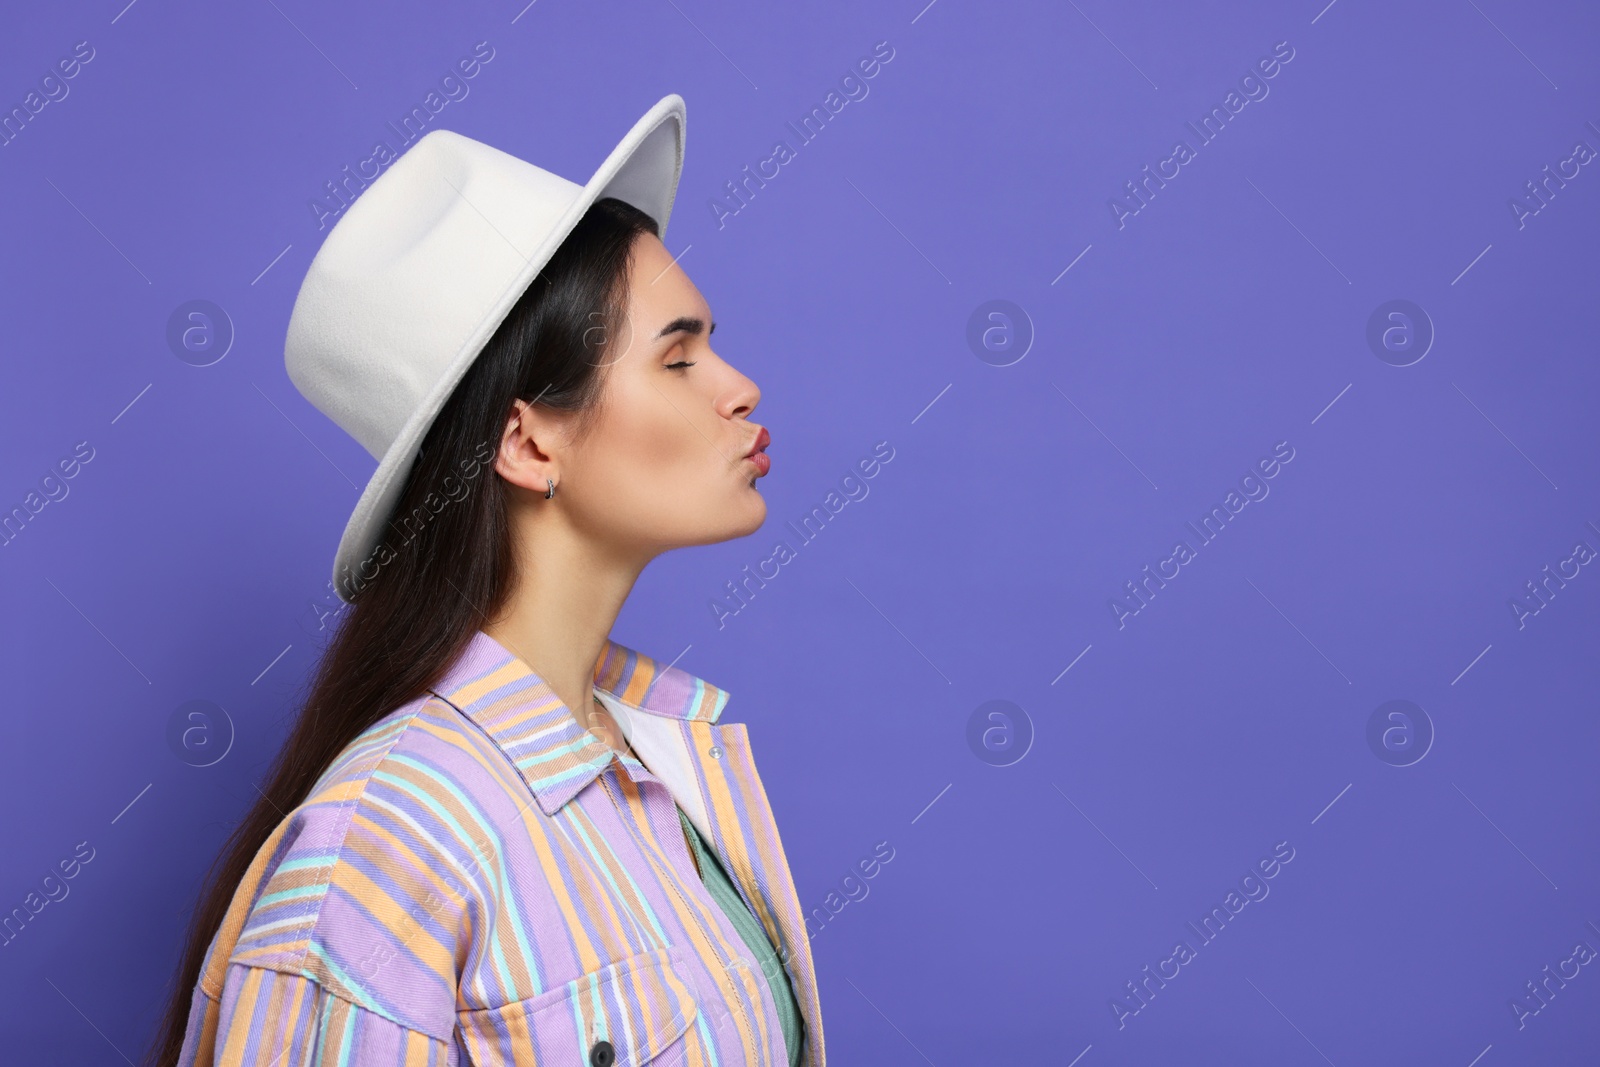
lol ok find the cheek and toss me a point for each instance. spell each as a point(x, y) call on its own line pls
point(661, 439)
point(648, 448)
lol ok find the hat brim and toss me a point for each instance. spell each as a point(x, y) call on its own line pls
point(642, 170)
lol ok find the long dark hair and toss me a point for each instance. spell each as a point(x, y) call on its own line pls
point(451, 566)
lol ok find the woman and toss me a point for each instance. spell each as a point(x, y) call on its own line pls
point(496, 836)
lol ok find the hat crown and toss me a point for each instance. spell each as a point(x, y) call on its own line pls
point(409, 275)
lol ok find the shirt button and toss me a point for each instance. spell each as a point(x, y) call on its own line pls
point(716, 751)
point(602, 1055)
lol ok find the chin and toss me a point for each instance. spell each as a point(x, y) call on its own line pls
point(746, 515)
point(737, 519)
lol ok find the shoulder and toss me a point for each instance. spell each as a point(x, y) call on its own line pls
point(369, 886)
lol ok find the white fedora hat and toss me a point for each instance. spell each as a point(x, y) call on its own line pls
point(420, 271)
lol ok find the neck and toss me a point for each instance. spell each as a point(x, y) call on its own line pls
point(568, 593)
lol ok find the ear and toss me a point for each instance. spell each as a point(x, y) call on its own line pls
point(531, 446)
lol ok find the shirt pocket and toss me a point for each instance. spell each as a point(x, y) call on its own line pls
point(640, 1005)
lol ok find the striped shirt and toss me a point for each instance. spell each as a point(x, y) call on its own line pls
point(479, 879)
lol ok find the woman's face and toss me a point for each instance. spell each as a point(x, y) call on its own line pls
point(666, 463)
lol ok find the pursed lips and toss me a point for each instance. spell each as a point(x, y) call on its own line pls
point(763, 439)
point(758, 453)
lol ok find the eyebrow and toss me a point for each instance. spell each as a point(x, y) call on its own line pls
point(686, 324)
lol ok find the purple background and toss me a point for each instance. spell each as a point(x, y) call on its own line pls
point(1229, 714)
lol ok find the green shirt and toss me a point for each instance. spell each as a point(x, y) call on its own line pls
point(727, 897)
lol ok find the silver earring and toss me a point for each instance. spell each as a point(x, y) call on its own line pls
point(552, 491)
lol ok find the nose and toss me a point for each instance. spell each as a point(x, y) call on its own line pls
point(739, 396)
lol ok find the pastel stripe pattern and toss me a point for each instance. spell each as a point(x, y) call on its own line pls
point(480, 880)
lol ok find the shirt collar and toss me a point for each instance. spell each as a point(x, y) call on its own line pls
point(555, 754)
